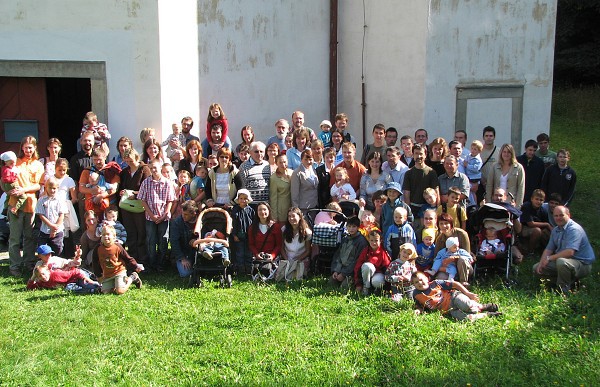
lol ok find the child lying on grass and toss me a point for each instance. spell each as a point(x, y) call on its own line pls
point(51, 279)
point(449, 297)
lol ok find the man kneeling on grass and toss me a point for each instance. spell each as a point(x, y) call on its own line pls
point(449, 297)
point(110, 262)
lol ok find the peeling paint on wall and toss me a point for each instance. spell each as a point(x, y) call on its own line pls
point(539, 12)
point(209, 12)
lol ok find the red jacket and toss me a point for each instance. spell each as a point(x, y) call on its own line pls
point(272, 245)
point(379, 258)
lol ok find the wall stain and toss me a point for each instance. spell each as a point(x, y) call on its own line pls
point(539, 12)
point(132, 8)
point(239, 23)
point(209, 12)
point(269, 58)
point(259, 26)
point(253, 60)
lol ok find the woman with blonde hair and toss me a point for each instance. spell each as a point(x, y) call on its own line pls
point(507, 174)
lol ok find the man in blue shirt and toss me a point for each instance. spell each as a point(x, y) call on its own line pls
point(568, 256)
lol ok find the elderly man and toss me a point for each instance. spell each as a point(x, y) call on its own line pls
point(568, 257)
point(394, 166)
point(354, 168)
point(282, 127)
point(298, 123)
point(256, 173)
point(453, 178)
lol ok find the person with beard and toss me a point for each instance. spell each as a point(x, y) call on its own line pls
point(282, 127)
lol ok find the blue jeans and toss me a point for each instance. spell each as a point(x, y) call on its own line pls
point(157, 244)
point(242, 254)
point(217, 248)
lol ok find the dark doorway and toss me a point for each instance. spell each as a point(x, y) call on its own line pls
point(68, 101)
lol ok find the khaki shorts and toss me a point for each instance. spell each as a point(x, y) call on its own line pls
point(116, 282)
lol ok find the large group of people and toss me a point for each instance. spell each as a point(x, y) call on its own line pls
point(412, 198)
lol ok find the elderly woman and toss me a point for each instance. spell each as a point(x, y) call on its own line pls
point(301, 139)
point(280, 194)
point(305, 184)
point(507, 174)
point(372, 181)
point(132, 177)
point(223, 181)
point(192, 157)
point(438, 150)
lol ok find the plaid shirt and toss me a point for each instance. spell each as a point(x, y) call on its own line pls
point(157, 194)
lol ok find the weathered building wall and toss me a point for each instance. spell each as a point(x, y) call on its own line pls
point(394, 63)
point(125, 35)
point(489, 42)
point(261, 60)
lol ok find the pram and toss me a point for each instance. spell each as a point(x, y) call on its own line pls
point(327, 237)
point(212, 219)
point(497, 217)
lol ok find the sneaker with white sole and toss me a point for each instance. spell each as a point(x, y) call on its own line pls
point(207, 255)
point(136, 280)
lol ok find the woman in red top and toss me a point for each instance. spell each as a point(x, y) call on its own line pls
point(264, 236)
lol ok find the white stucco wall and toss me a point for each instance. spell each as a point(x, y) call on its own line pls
point(489, 41)
point(394, 64)
point(261, 60)
point(124, 34)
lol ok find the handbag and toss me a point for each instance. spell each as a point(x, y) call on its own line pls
point(130, 205)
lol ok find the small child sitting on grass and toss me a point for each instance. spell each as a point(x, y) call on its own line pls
point(110, 262)
point(450, 298)
point(400, 271)
point(370, 266)
point(344, 258)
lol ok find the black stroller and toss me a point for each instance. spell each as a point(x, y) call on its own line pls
point(217, 221)
point(489, 260)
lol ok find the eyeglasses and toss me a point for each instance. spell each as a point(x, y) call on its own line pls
point(280, 127)
point(258, 151)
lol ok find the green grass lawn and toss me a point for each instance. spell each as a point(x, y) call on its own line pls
point(308, 333)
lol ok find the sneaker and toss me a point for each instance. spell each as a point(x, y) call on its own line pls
point(226, 262)
point(396, 297)
point(366, 291)
point(207, 255)
point(494, 314)
point(489, 308)
point(136, 280)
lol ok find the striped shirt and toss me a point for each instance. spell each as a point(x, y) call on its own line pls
point(256, 178)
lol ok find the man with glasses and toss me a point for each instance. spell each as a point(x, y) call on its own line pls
point(256, 173)
point(391, 136)
point(282, 127)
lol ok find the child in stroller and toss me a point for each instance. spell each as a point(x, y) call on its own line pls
point(493, 241)
point(215, 224)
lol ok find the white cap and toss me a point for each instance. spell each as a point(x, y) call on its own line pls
point(243, 191)
point(9, 155)
point(326, 122)
point(451, 242)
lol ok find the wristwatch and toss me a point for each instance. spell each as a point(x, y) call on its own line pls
point(547, 258)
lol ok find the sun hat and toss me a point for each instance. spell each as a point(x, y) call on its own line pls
point(243, 191)
point(428, 232)
point(451, 242)
point(395, 186)
point(8, 155)
point(325, 122)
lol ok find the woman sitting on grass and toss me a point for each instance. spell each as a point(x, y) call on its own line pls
point(295, 255)
point(264, 237)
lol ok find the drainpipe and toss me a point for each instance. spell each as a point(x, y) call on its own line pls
point(333, 30)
